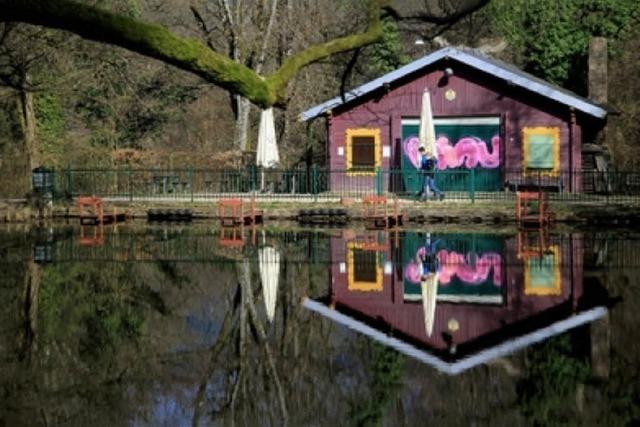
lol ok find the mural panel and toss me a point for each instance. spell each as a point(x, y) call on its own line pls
point(462, 143)
point(468, 267)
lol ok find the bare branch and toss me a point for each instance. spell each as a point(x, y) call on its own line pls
point(450, 16)
point(202, 25)
point(267, 35)
point(347, 72)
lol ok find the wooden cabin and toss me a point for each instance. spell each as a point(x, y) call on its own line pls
point(492, 289)
point(506, 125)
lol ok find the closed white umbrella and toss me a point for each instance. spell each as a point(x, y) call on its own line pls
point(267, 150)
point(429, 285)
point(427, 132)
point(269, 263)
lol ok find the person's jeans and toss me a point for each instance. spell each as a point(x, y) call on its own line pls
point(430, 186)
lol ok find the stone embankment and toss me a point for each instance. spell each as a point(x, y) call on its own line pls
point(480, 212)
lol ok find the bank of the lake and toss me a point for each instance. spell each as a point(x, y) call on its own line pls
point(416, 212)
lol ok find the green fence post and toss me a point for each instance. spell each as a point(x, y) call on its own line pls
point(314, 182)
point(472, 189)
point(191, 181)
point(254, 177)
point(378, 181)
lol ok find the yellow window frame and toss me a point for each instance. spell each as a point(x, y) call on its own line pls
point(554, 131)
point(529, 289)
point(353, 285)
point(372, 132)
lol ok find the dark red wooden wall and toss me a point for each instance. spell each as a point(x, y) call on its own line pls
point(477, 94)
point(475, 320)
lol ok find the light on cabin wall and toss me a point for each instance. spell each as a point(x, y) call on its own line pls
point(448, 72)
point(450, 94)
point(388, 268)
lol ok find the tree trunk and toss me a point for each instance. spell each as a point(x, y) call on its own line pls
point(242, 123)
point(243, 104)
point(33, 279)
point(28, 116)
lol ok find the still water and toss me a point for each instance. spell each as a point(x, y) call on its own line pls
point(194, 325)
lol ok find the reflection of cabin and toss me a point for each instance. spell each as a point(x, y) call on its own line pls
point(537, 285)
point(363, 262)
point(512, 128)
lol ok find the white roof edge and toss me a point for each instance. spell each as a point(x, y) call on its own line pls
point(518, 79)
point(466, 363)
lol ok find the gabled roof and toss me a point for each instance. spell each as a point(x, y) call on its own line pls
point(454, 368)
point(479, 61)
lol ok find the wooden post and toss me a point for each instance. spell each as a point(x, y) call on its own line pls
point(600, 347)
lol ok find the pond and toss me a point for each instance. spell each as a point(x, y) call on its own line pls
point(197, 325)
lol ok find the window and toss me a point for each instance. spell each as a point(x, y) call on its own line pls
point(541, 150)
point(363, 151)
point(365, 272)
point(542, 274)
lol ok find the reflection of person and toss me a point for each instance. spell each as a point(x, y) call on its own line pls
point(427, 259)
point(427, 167)
point(426, 256)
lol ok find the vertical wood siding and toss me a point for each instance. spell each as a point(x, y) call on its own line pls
point(519, 312)
point(477, 94)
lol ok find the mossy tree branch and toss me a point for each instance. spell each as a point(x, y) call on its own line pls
point(155, 41)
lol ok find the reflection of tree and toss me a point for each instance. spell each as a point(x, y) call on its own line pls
point(241, 325)
point(92, 310)
point(270, 373)
point(82, 334)
point(385, 383)
point(547, 392)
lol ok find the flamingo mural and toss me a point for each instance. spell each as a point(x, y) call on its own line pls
point(468, 152)
point(453, 264)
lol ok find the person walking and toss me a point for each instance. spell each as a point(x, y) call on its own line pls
point(427, 168)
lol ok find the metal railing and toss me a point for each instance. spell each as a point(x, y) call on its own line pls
point(320, 183)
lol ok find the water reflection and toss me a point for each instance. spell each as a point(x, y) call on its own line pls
point(152, 325)
point(458, 300)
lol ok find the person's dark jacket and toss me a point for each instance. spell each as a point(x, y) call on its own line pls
point(427, 165)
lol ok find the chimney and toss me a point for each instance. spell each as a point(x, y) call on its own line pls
point(595, 152)
point(598, 69)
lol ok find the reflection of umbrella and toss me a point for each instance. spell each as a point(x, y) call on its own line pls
point(429, 286)
point(267, 150)
point(269, 262)
point(427, 133)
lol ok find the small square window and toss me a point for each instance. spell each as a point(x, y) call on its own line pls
point(365, 271)
point(542, 274)
point(363, 151)
point(541, 150)
point(363, 155)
